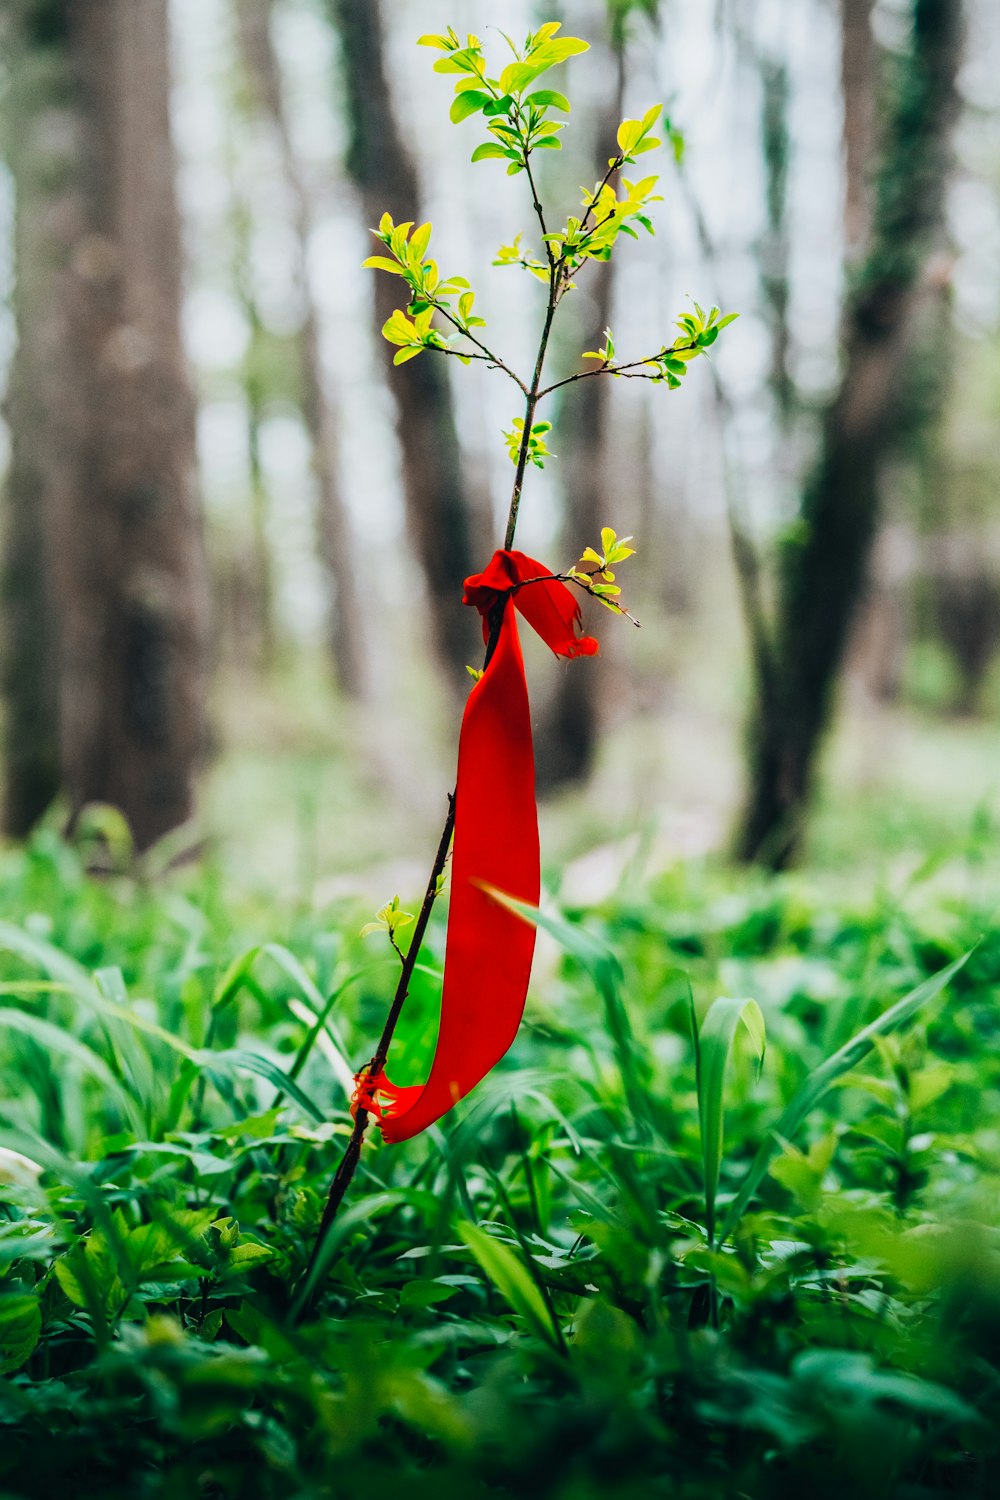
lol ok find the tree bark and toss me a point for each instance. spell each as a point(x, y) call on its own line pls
point(437, 512)
point(124, 538)
point(857, 86)
point(823, 564)
point(39, 146)
point(775, 248)
point(333, 523)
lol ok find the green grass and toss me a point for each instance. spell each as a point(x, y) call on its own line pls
point(561, 1291)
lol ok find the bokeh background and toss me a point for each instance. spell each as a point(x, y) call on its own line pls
point(234, 537)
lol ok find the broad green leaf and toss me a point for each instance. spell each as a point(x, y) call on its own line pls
point(488, 149)
point(467, 103)
point(425, 1293)
point(20, 1328)
point(382, 263)
point(549, 99)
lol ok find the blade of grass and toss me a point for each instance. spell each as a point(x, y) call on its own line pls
point(822, 1079)
point(713, 1046)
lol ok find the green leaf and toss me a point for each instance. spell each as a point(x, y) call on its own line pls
point(467, 103)
point(20, 1328)
point(425, 1293)
point(501, 1266)
point(549, 99)
point(382, 263)
point(489, 148)
point(419, 240)
point(713, 1045)
point(402, 355)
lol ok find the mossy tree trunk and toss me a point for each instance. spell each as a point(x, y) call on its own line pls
point(824, 558)
point(118, 552)
point(38, 145)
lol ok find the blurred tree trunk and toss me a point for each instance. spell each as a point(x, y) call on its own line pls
point(260, 640)
point(333, 523)
point(775, 248)
point(823, 561)
point(125, 537)
point(38, 148)
point(568, 736)
point(438, 515)
point(857, 87)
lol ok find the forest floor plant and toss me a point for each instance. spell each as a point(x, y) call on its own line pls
point(521, 120)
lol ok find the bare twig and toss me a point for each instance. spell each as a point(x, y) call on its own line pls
point(487, 354)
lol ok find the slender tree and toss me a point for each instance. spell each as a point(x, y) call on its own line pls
point(384, 173)
point(121, 536)
point(857, 86)
point(263, 72)
point(39, 149)
point(823, 559)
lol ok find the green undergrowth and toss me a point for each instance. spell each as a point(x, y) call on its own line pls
point(763, 1264)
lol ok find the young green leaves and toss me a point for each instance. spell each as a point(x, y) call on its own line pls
point(518, 121)
point(517, 117)
point(699, 331)
point(538, 451)
point(428, 291)
point(598, 579)
point(635, 136)
point(388, 919)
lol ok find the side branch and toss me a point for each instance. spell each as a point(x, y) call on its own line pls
point(486, 354)
point(633, 365)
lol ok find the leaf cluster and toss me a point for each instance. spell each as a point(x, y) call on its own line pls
point(428, 290)
point(519, 122)
point(537, 448)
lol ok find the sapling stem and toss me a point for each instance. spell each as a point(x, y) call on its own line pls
point(344, 1174)
point(518, 122)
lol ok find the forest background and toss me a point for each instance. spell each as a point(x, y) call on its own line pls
point(292, 611)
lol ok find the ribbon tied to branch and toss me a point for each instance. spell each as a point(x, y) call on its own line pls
point(489, 948)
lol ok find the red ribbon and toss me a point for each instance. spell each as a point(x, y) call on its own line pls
point(489, 949)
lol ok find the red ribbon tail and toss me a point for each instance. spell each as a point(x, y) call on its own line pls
point(489, 950)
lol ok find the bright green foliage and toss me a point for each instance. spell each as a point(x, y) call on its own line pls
point(527, 1300)
point(538, 452)
point(580, 239)
point(635, 136)
point(389, 918)
point(514, 254)
point(519, 122)
point(599, 578)
point(427, 291)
